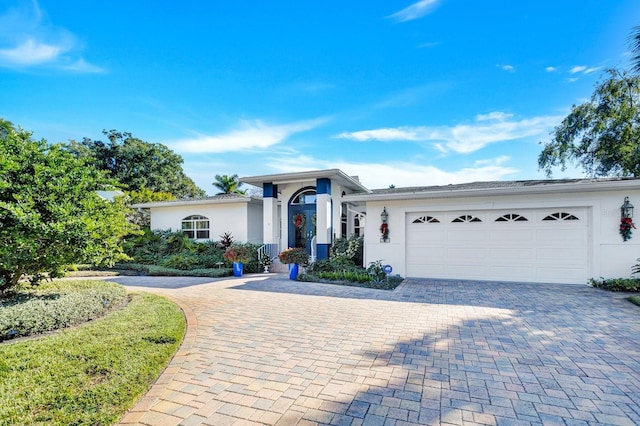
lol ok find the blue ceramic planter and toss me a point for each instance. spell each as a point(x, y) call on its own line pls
point(237, 269)
point(293, 271)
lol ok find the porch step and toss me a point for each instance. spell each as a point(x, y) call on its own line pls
point(278, 267)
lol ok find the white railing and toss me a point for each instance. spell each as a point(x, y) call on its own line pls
point(270, 250)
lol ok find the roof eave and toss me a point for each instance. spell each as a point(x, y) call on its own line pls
point(197, 202)
point(481, 192)
point(283, 178)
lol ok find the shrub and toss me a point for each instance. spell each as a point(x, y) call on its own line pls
point(331, 265)
point(348, 248)
point(57, 305)
point(226, 240)
point(616, 284)
point(168, 272)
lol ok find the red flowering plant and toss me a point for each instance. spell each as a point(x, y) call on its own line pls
point(294, 255)
point(626, 224)
point(238, 253)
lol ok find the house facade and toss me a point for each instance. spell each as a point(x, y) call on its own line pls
point(207, 218)
point(555, 231)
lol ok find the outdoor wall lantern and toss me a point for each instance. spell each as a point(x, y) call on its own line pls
point(626, 219)
point(626, 211)
point(384, 226)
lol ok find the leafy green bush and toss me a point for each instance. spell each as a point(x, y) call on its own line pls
point(350, 248)
point(616, 284)
point(174, 250)
point(351, 276)
point(168, 272)
point(57, 305)
point(332, 265)
point(342, 271)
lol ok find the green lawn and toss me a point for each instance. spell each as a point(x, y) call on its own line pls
point(92, 374)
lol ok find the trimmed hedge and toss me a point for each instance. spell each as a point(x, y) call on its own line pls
point(55, 305)
point(616, 284)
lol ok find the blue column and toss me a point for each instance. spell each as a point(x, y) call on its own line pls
point(323, 217)
point(270, 224)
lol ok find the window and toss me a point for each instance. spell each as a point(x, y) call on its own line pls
point(511, 217)
point(561, 216)
point(196, 227)
point(465, 218)
point(358, 224)
point(426, 219)
point(305, 197)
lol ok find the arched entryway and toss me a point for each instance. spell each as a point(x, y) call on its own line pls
point(302, 218)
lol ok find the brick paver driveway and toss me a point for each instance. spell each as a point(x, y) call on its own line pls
point(265, 350)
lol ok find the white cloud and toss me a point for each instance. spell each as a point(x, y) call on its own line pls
point(27, 40)
point(583, 69)
point(551, 69)
point(82, 66)
point(31, 52)
point(414, 11)
point(494, 115)
point(249, 135)
point(508, 68)
point(463, 138)
point(401, 174)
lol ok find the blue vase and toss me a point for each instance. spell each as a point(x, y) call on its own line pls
point(293, 271)
point(237, 269)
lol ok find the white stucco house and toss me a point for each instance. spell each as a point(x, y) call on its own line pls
point(554, 231)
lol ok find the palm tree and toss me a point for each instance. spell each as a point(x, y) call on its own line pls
point(228, 185)
point(635, 48)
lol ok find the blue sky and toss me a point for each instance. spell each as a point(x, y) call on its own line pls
point(397, 92)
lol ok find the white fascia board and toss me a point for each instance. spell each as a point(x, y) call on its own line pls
point(619, 185)
point(284, 178)
point(198, 202)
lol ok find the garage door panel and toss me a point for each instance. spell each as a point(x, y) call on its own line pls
point(464, 255)
point(504, 255)
point(551, 250)
point(562, 234)
point(572, 256)
point(512, 236)
point(467, 235)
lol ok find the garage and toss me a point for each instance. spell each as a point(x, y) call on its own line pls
point(534, 245)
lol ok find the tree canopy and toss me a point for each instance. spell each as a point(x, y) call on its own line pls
point(603, 134)
point(228, 184)
point(50, 213)
point(136, 164)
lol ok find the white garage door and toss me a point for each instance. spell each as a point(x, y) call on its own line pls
point(524, 245)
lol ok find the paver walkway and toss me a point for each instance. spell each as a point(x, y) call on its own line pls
point(265, 350)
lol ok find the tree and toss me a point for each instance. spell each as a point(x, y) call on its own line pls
point(228, 185)
point(136, 164)
point(5, 126)
point(50, 213)
point(603, 134)
point(635, 48)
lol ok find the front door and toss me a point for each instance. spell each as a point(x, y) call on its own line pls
point(302, 225)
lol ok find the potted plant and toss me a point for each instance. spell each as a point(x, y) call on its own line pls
point(239, 254)
point(294, 257)
point(265, 262)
